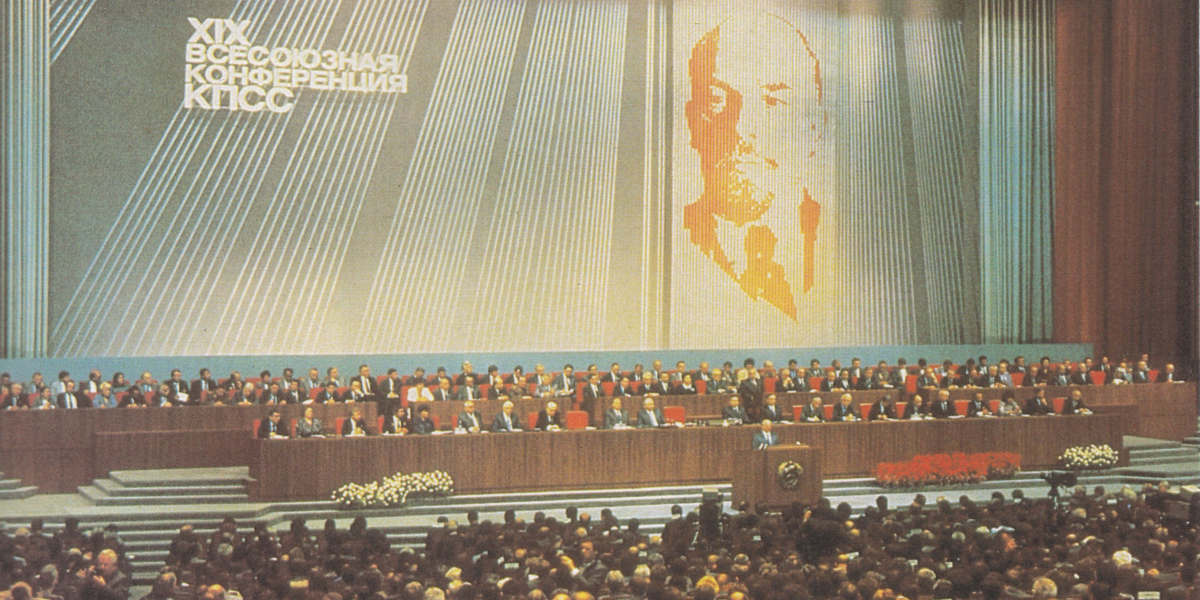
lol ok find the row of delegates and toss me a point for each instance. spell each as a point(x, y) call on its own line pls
point(883, 409)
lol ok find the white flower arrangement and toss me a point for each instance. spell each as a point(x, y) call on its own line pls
point(394, 490)
point(1093, 456)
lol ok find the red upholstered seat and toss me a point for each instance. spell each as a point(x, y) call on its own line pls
point(960, 407)
point(828, 412)
point(1018, 379)
point(901, 409)
point(533, 417)
point(607, 386)
point(254, 428)
point(864, 409)
point(291, 428)
point(1057, 403)
point(1153, 375)
point(312, 394)
point(701, 387)
point(674, 414)
point(378, 426)
point(995, 406)
point(797, 412)
point(1097, 377)
point(577, 419)
point(814, 383)
point(910, 384)
point(769, 384)
point(337, 425)
point(484, 388)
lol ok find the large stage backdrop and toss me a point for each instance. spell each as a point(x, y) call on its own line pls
point(353, 176)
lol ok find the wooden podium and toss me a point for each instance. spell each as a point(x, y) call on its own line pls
point(756, 479)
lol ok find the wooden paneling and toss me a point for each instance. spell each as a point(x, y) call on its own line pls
point(485, 462)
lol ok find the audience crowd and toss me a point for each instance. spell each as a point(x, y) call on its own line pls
point(1090, 546)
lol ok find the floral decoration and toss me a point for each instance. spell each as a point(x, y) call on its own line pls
point(1092, 456)
point(394, 490)
point(947, 469)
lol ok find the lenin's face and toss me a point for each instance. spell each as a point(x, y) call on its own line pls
point(755, 122)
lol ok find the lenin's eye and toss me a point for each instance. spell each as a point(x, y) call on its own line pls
point(770, 100)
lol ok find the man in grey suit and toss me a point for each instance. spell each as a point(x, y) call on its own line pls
point(506, 421)
point(614, 417)
point(469, 419)
point(467, 392)
point(764, 438)
point(650, 416)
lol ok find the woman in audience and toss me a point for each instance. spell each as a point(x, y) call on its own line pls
point(309, 425)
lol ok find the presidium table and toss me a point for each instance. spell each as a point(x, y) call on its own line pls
point(288, 469)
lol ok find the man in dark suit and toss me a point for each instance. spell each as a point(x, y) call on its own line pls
point(662, 386)
point(366, 383)
point(163, 396)
point(269, 428)
point(202, 385)
point(882, 409)
point(423, 424)
point(814, 411)
point(417, 375)
point(329, 395)
point(978, 407)
point(442, 393)
point(844, 410)
point(650, 416)
point(614, 373)
point(941, 408)
point(356, 425)
point(831, 383)
point(928, 379)
point(1074, 404)
point(750, 390)
point(1169, 375)
point(549, 419)
point(271, 395)
point(1039, 405)
point(733, 412)
point(180, 388)
point(517, 377)
point(771, 410)
point(73, 399)
point(614, 417)
point(1081, 376)
point(814, 369)
point(16, 397)
point(293, 395)
point(107, 582)
point(469, 419)
point(1141, 373)
point(764, 438)
point(397, 422)
point(592, 392)
point(506, 421)
point(622, 388)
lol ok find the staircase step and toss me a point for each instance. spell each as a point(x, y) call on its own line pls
point(18, 493)
point(182, 477)
point(115, 488)
point(9, 484)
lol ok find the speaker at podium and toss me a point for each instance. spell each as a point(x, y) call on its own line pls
point(778, 476)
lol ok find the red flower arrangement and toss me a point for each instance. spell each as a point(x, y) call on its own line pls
point(947, 469)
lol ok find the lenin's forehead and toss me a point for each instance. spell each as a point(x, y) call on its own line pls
point(758, 49)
